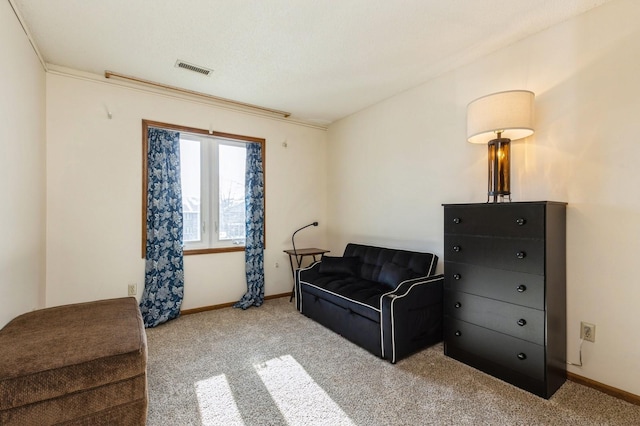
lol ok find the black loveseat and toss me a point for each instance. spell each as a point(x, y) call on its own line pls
point(387, 301)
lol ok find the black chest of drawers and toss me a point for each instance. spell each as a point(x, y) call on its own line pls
point(505, 292)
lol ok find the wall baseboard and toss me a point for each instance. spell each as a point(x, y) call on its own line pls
point(609, 390)
point(226, 305)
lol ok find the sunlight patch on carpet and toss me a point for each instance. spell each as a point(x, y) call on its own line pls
point(300, 399)
point(216, 403)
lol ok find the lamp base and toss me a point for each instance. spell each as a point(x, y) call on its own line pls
point(502, 198)
point(499, 169)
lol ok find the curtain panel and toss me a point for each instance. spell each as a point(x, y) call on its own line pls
point(164, 269)
point(254, 226)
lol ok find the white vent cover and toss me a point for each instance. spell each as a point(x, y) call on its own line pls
point(192, 67)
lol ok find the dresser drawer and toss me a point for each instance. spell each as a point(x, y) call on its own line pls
point(515, 354)
point(500, 253)
point(514, 320)
point(505, 220)
point(513, 287)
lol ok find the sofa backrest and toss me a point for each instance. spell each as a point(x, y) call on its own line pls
point(372, 259)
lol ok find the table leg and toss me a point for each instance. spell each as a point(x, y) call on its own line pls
point(293, 273)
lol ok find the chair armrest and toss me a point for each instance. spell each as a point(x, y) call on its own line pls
point(411, 316)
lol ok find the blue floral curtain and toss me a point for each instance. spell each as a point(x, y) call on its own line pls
point(254, 226)
point(164, 271)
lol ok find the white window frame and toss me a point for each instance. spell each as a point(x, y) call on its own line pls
point(210, 208)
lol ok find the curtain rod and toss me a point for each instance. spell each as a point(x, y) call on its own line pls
point(110, 74)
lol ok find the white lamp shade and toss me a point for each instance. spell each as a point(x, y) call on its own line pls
point(510, 112)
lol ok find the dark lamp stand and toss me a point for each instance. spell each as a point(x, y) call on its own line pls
point(499, 159)
point(299, 254)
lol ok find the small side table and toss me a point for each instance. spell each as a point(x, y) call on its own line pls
point(299, 254)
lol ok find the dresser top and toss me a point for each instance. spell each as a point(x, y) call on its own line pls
point(562, 203)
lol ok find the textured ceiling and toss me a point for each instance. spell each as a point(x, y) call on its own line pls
point(319, 60)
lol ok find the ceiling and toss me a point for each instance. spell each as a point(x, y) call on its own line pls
point(319, 60)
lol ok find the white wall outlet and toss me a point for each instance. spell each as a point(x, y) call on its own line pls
point(277, 265)
point(132, 289)
point(587, 331)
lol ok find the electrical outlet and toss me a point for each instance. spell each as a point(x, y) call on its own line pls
point(587, 331)
point(133, 289)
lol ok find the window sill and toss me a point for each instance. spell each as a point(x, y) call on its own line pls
point(213, 250)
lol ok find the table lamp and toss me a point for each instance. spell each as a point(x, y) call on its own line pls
point(496, 120)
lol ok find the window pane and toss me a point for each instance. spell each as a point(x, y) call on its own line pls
point(231, 192)
point(190, 176)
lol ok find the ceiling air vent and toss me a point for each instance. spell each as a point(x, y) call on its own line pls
point(194, 68)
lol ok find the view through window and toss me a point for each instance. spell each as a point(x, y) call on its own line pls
point(212, 172)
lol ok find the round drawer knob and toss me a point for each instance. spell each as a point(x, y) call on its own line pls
point(521, 221)
point(457, 276)
point(457, 220)
point(522, 356)
point(457, 248)
point(521, 255)
point(458, 333)
point(522, 322)
point(521, 288)
point(457, 305)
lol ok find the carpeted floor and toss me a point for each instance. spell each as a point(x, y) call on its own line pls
point(273, 366)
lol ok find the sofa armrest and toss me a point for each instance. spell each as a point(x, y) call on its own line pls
point(305, 274)
point(411, 316)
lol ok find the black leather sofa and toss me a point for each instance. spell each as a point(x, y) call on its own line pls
point(387, 301)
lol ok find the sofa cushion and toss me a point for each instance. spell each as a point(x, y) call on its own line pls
point(392, 275)
point(358, 295)
point(373, 258)
point(339, 265)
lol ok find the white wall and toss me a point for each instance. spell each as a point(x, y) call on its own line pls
point(22, 171)
point(391, 166)
point(94, 192)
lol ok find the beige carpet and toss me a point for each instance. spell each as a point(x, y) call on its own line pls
point(273, 366)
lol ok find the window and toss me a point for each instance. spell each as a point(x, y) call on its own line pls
point(212, 172)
